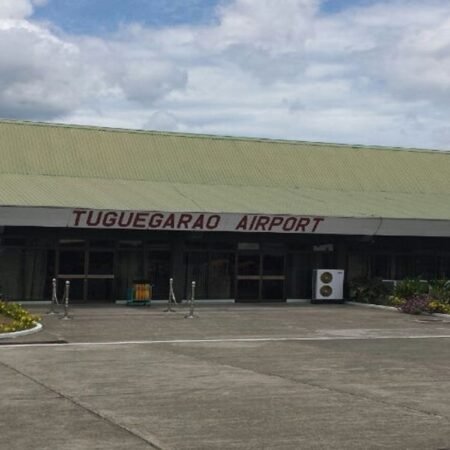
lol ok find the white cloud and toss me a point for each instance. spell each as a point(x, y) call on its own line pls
point(402, 47)
point(39, 73)
point(277, 27)
point(277, 68)
point(45, 76)
point(420, 64)
point(15, 9)
point(162, 120)
point(144, 83)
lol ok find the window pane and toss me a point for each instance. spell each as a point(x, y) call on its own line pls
point(130, 267)
point(34, 274)
point(426, 267)
point(197, 270)
point(11, 284)
point(273, 265)
point(446, 266)
point(71, 262)
point(300, 276)
point(100, 290)
point(403, 267)
point(101, 263)
point(50, 274)
point(76, 289)
point(248, 290)
point(356, 266)
point(158, 265)
point(381, 266)
point(248, 264)
point(273, 289)
point(220, 275)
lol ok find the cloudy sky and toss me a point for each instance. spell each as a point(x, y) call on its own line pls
point(351, 71)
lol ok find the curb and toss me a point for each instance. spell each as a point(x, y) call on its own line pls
point(14, 334)
point(392, 308)
point(371, 305)
point(444, 316)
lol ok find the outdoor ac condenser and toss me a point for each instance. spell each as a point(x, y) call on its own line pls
point(328, 284)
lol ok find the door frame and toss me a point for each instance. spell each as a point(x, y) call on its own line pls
point(260, 277)
point(85, 276)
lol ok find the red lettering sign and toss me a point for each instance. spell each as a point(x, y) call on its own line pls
point(139, 220)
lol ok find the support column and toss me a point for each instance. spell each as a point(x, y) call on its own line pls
point(341, 255)
point(341, 262)
point(178, 267)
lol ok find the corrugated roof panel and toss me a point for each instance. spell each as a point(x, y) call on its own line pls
point(98, 153)
point(162, 196)
point(56, 165)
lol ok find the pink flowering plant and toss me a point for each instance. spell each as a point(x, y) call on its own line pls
point(416, 304)
point(413, 296)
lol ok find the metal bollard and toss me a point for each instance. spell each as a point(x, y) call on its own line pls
point(174, 299)
point(171, 299)
point(54, 300)
point(191, 314)
point(66, 302)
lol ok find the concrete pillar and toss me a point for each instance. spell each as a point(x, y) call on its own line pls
point(178, 267)
point(341, 254)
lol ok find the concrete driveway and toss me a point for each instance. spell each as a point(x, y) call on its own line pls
point(236, 377)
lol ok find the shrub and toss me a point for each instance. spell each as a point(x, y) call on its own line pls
point(410, 287)
point(396, 301)
point(440, 290)
point(21, 319)
point(436, 306)
point(369, 290)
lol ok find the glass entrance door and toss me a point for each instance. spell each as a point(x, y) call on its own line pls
point(159, 270)
point(89, 270)
point(71, 267)
point(248, 277)
point(212, 272)
point(100, 275)
point(260, 277)
point(272, 279)
point(197, 270)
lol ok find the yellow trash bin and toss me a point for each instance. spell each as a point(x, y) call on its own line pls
point(142, 293)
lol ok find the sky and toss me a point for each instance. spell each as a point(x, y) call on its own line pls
point(374, 72)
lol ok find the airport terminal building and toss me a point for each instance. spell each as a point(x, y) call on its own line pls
point(246, 219)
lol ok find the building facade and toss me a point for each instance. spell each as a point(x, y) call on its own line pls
point(246, 219)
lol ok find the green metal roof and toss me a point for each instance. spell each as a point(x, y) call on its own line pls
point(73, 166)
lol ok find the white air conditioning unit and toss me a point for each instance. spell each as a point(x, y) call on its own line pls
point(328, 284)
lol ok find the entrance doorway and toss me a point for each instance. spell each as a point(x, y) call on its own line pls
point(90, 271)
point(260, 277)
point(137, 261)
point(212, 272)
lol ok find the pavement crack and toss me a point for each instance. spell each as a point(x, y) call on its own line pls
point(315, 385)
point(98, 415)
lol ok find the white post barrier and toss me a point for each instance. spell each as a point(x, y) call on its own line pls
point(191, 314)
point(172, 292)
point(172, 300)
point(66, 302)
point(54, 300)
